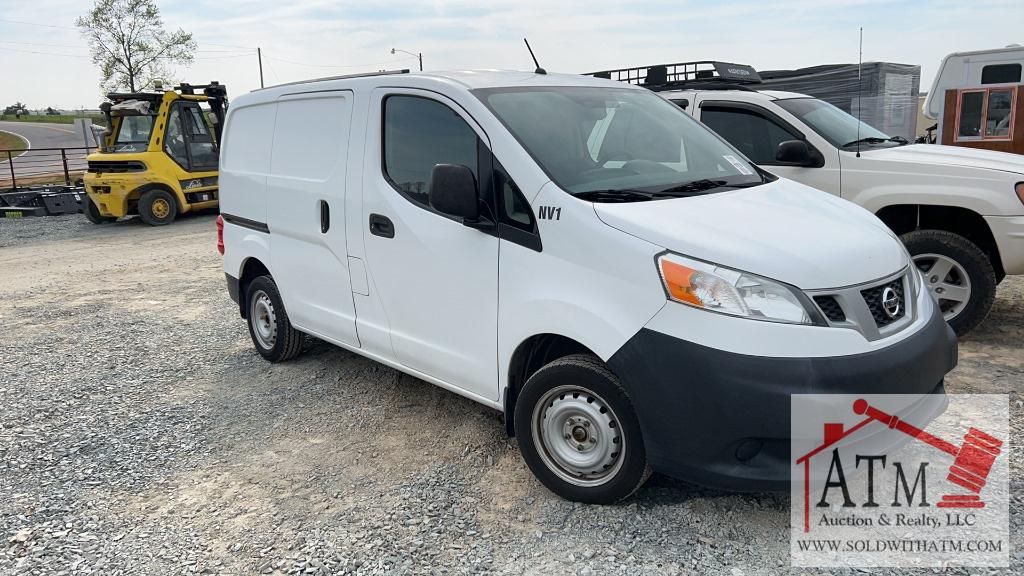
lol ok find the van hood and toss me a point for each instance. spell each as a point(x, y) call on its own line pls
point(956, 156)
point(781, 230)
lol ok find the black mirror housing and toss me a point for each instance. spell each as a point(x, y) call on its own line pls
point(453, 191)
point(797, 153)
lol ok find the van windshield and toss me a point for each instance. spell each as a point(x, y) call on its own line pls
point(618, 145)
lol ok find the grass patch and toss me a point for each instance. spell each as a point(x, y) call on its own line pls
point(10, 141)
point(49, 119)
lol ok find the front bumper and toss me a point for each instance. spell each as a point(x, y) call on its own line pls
point(1008, 232)
point(722, 419)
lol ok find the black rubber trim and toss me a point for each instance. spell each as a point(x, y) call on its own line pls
point(246, 223)
point(697, 405)
point(233, 287)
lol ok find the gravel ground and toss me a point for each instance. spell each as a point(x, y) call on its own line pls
point(141, 434)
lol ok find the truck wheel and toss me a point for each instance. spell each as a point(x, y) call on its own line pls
point(956, 273)
point(578, 432)
point(92, 213)
point(158, 207)
point(271, 331)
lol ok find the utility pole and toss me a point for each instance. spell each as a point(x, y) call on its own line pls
point(259, 56)
point(421, 61)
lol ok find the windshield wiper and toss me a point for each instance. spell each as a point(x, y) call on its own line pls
point(876, 140)
point(613, 195)
point(703, 185)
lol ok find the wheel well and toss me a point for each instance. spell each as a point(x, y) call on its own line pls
point(903, 218)
point(251, 270)
point(531, 355)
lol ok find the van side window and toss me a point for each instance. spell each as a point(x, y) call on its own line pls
point(753, 134)
point(515, 210)
point(1000, 73)
point(420, 133)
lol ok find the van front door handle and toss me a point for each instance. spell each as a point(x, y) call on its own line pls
point(381, 226)
point(325, 216)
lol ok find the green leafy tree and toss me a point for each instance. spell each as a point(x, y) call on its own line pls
point(127, 40)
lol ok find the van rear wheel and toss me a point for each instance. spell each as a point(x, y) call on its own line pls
point(158, 207)
point(578, 432)
point(272, 333)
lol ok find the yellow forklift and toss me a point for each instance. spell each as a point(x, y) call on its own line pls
point(158, 155)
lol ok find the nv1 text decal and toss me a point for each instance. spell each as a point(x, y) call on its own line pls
point(549, 212)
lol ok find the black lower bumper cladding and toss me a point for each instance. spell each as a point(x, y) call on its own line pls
point(723, 420)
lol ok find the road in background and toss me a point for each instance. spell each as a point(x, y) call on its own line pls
point(42, 135)
point(36, 162)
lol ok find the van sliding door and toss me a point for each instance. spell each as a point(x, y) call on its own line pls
point(306, 212)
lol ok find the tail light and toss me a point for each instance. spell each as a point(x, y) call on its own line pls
point(220, 234)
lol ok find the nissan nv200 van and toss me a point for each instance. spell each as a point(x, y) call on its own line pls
point(580, 254)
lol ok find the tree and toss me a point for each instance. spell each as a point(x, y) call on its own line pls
point(50, 111)
point(128, 42)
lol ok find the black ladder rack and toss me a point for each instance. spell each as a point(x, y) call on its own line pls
point(671, 76)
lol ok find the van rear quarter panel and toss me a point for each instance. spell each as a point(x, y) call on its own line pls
point(244, 162)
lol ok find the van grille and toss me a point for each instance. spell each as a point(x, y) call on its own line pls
point(116, 166)
point(832, 310)
point(873, 297)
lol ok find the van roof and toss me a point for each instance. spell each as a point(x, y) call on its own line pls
point(469, 79)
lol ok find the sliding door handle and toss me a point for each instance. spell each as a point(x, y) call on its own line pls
point(325, 216)
point(381, 226)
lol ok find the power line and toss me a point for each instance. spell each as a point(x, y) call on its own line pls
point(36, 24)
point(337, 65)
point(42, 53)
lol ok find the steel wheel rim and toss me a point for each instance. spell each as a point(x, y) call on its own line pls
point(263, 320)
point(947, 282)
point(161, 208)
point(578, 436)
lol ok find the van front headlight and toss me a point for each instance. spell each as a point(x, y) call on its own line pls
point(726, 291)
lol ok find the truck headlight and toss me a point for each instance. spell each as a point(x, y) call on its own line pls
point(717, 289)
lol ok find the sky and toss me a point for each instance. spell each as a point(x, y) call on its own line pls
point(44, 61)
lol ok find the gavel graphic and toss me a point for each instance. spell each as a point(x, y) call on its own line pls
point(973, 459)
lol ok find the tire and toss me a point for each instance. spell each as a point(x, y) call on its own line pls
point(272, 333)
point(158, 207)
point(579, 398)
point(92, 213)
point(958, 265)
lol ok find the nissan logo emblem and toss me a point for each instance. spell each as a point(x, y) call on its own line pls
point(890, 302)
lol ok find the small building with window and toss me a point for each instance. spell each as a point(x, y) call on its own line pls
point(976, 102)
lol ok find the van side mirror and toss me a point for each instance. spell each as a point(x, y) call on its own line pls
point(453, 191)
point(797, 153)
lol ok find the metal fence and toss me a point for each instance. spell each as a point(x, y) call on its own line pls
point(43, 166)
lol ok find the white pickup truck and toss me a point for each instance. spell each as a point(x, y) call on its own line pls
point(959, 211)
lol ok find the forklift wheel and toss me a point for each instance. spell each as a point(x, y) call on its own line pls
point(92, 213)
point(158, 207)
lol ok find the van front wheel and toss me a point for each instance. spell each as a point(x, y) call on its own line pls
point(158, 207)
point(578, 432)
point(272, 333)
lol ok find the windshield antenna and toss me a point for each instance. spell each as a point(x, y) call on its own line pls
point(539, 70)
point(860, 60)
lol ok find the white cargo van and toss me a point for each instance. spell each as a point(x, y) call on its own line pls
point(577, 253)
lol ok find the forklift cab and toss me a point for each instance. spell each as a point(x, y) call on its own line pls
point(158, 155)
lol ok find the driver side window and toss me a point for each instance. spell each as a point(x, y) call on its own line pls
point(757, 136)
